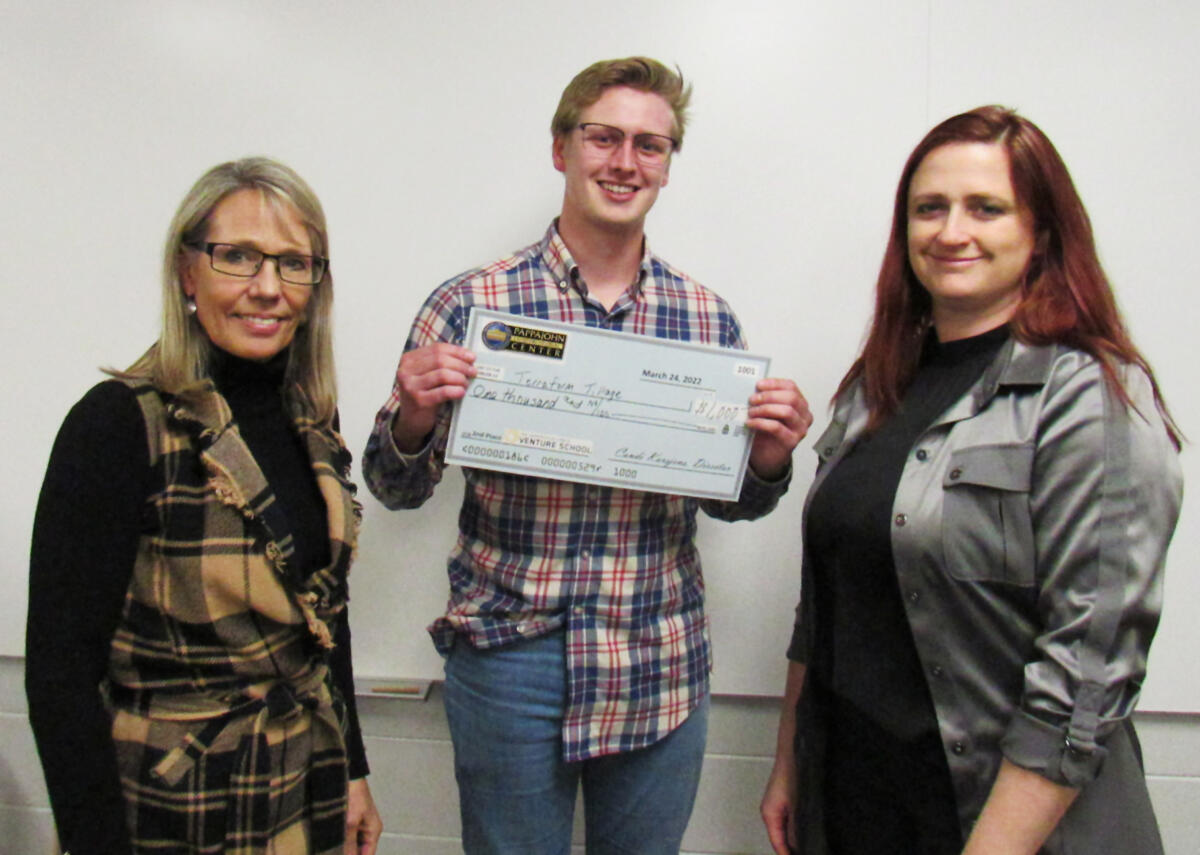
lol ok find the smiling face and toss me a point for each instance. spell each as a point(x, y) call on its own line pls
point(969, 241)
point(256, 317)
point(613, 190)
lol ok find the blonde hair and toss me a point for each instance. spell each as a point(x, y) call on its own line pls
point(636, 72)
point(180, 357)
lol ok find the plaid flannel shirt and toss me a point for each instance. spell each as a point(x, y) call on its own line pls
point(617, 569)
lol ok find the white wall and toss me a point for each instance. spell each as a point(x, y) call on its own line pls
point(424, 129)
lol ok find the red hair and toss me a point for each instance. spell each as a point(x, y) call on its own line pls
point(1065, 298)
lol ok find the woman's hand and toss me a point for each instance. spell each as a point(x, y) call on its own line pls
point(363, 825)
point(780, 799)
point(778, 807)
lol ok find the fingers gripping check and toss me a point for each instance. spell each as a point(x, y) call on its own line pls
point(427, 378)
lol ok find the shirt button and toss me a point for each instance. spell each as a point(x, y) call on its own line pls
point(914, 597)
point(937, 670)
point(521, 627)
point(827, 453)
point(955, 474)
point(922, 454)
point(585, 553)
point(578, 610)
point(958, 748)
point(901, 519)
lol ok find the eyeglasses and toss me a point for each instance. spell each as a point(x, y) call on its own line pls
point(243, 261)
point(650, 149)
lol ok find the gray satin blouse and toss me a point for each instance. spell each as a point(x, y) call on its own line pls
point(1029, 531)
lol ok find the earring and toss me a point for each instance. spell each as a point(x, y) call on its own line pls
point(191, 306)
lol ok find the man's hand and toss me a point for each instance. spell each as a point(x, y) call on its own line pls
point(780, 418)
point(427, 378)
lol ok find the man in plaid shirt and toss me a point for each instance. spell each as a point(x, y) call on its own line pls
point(576, 645)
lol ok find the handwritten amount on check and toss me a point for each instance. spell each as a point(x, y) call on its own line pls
point(596, 399)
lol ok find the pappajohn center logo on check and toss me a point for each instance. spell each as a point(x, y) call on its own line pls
point(498, 335)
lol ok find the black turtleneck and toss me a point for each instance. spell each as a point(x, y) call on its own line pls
point(85, 541)
point(254, 393)
point(866, 653)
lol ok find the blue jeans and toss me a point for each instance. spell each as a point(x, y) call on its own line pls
point(517, 794)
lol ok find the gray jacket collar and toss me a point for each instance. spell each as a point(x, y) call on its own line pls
point(1017, 364)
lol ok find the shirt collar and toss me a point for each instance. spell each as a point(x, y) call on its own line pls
point(1029, 364)
point(1016, 364)
point(563, 268)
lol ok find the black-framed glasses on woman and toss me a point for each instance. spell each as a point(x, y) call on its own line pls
point(650, 149)
point(244, 261)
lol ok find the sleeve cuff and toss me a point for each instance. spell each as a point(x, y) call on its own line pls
point(759, 492)
point(1046, 749)
point(795, 651)
point(357, 768)
point(782, 481)
point(405, 460)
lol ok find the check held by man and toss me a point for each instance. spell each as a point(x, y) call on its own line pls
point(587, 404)
point(576, 645)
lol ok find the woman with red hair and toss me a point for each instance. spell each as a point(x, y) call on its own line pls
point(985, 536)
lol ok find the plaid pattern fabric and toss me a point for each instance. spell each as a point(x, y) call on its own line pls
point(229, 737)
point(617, 569)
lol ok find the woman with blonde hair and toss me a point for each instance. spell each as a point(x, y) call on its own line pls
point(188, 648)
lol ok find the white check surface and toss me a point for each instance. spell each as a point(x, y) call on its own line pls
point(577, 403)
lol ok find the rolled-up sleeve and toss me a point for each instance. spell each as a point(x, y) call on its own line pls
point(1106, 495)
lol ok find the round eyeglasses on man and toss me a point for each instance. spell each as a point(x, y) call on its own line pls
point(234, 260)
point(650, 149)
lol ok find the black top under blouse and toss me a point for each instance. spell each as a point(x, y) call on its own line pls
point(85, 541)
point(865, 650)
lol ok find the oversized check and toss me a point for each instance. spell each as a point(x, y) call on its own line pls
point(577, 403)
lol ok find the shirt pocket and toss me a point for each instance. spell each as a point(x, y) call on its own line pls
point(986, 525)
